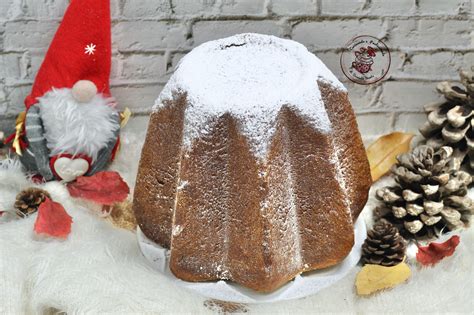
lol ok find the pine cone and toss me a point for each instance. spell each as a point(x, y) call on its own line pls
point(29, 200)
point(430, 196)
point(383, 246)
point(450, 121)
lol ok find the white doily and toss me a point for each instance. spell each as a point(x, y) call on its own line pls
point(303, 285)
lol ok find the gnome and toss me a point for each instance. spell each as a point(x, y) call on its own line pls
point(72, 127)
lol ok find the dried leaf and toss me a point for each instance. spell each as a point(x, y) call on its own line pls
point(52, 220)
point(105, 188)
point(382, 154)
point(434, 252)
point(223, 307)
point(122, 215)
point(373, 278)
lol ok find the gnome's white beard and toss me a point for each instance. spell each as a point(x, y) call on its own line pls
point(76, 128)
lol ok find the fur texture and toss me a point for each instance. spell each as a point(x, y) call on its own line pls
point(75, 128)
point(12, 181)
point(99, 269)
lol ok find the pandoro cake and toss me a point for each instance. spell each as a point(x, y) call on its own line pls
point(253, 169)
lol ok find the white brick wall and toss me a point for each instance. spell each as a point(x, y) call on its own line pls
point(430, 40)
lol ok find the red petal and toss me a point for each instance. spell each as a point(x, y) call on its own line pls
point(52, 220)
point(105, 188)
point(434, 252)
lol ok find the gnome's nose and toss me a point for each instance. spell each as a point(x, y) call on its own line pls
point(84, 90)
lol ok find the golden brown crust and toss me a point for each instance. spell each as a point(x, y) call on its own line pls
point(353, 158)
point(155, 188)
point(218, 230)
point(226, 215)
point(300, 160)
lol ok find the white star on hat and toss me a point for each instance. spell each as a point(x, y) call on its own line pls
point(90, 49)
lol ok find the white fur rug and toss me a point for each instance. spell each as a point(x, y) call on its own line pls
point(99, 268)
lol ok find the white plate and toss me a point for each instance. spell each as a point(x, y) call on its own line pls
point(303, 285)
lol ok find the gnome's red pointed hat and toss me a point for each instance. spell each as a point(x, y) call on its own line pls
point(80, 50)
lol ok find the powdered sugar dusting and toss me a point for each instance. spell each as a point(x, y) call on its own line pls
point(341, 179)
point(249, 76)
point(177, 229)
point(290, 227)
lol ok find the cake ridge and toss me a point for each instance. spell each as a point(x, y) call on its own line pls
point(294, 223)
point(341, 179)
